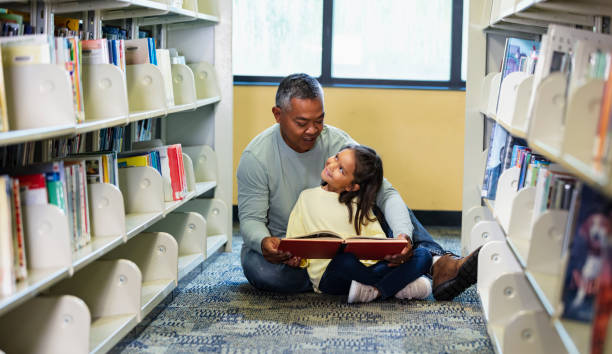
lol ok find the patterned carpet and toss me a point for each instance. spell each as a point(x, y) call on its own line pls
point(217, 310)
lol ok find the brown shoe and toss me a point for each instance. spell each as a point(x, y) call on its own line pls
point(451, 275)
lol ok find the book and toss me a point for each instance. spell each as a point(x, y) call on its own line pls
point(326, 244)
point(7, 272)
point(602, 133)
point(80, 198)
point(25, 50)
point(591, 228)
point(134, 161)
point(68, 54)
point(556, 54)
point(21, 269)
point(33, 189)
point(163, 58)
point(95, 51)
point(494, 162)
point(603, 305)
point(4, 123)
point(519, 55)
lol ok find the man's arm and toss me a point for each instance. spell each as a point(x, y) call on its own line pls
point(253, 201)
point(395, 210)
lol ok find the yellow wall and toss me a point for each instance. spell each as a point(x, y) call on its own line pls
point(419, 135)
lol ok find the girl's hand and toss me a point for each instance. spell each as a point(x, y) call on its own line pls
point(400, 258)
point(269, 249)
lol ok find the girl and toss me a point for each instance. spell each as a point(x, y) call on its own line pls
point(350, 181)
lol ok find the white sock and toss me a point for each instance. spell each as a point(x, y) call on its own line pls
point(435, 259)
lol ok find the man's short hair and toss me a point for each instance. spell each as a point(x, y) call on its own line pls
point(302, 86)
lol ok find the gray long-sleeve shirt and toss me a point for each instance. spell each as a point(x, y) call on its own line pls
point(271, 176)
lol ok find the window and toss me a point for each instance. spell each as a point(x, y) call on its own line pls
point(351, 42)
point(275, 38)
point(393, 40)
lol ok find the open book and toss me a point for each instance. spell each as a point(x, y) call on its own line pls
point(326, 244)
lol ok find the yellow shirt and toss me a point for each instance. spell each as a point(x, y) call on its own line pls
point(319, 210)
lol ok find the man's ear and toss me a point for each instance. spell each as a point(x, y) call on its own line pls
point(277, 113)
point(352, 188)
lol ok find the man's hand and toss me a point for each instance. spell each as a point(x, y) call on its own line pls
point(397, 259)
point(270, 251)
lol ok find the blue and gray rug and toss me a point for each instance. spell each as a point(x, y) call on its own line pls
point(217, 310)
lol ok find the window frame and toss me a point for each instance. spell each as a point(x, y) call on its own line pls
point(455, 83)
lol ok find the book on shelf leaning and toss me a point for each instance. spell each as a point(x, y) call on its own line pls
point(592, 227)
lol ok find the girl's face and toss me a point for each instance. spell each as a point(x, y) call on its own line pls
point(338, 172)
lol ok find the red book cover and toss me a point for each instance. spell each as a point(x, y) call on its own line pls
point(175, 174)
point(33, 188)
point(325, 245)
point(21, 270)
point(182, 169)
point(603, 305)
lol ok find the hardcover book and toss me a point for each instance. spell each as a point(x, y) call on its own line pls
point(602, 331)
point(592, 228)
point(494, 162)
point(519, 55)
point(326, 244)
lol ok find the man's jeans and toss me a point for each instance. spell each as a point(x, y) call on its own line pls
point(264, 275)
point(285, 279)
point(345, 267)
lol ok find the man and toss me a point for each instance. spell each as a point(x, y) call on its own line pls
point(286, 159)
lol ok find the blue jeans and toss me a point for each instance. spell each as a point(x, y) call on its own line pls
point(281, 278)
point(345, 267)
point(420, 237)
point(264, 275)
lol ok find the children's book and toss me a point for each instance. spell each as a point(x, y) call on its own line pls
point(326, 244)
point(95, 51)
point(7, 272)
point(519, 55)
point(603, 306)
point(494, 162)
point(21, 269)
point(591, 229)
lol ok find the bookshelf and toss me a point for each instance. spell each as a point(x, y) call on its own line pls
point(520, 272)
point(142, 245)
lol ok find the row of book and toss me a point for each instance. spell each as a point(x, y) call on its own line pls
point(581, 56)
point(116, 139)
point(587, 242)
point(63, 183)
point(72, 53)
point(554, 185)
point(168, 161)
point(60, 183)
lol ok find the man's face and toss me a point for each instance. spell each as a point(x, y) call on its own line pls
point(300, 124)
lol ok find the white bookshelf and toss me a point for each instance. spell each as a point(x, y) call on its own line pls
point(520, 271)
point(104, 289)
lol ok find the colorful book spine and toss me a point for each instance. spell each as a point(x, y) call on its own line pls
point(55, 190)
point(7, 273)
point(21, 269)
